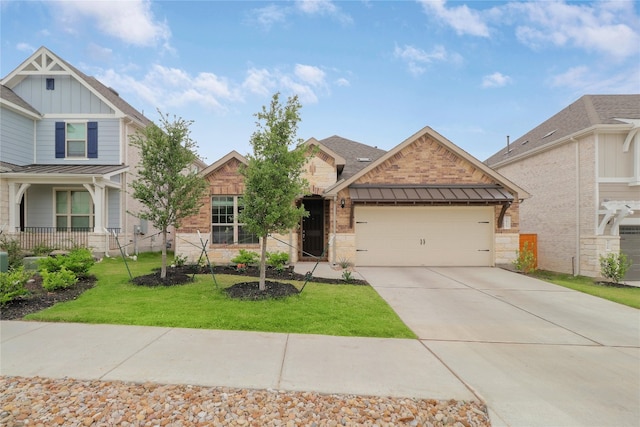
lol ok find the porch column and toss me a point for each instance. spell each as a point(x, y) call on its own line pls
point(16, 193)
point(98, 195)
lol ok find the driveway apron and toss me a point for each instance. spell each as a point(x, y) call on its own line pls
point(537, 353)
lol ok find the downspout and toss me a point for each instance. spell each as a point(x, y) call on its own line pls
point(576, 271)
point(333, 245)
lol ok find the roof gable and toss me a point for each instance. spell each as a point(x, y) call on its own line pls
point(584, 114)
point(233, 158)
point(439, 162)
point(45, 62)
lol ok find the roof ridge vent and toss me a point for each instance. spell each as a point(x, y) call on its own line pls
point(363, 159)
point(549, 134)
point(114, 91)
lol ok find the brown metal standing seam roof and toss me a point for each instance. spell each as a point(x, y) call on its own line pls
point(487, 194)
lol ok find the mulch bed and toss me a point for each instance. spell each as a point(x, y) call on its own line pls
point(38, 298)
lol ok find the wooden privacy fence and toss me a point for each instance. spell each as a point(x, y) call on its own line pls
point(532, 244)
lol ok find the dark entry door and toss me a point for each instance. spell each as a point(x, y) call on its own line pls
point(313, 228)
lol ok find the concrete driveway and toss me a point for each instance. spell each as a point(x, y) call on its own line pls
point(538, 354)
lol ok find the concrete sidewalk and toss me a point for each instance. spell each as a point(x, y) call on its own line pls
point(325, 364)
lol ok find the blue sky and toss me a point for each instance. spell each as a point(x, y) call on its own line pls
point(371, 71)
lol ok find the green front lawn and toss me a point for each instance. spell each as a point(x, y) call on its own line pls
point(624, 295)
point(346, 310)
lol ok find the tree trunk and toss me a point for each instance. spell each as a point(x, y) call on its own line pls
point(263, 264)
point(163, 269)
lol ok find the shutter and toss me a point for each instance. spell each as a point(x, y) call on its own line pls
point(92, 140)
point(60, 140)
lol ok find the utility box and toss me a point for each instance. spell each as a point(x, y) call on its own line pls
point(4, 262)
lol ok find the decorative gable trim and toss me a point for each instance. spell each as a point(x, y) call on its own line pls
point(45, 62)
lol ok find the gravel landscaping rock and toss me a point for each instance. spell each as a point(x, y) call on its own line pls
point(69, 402)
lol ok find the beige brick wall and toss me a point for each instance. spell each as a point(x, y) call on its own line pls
point(556, 182)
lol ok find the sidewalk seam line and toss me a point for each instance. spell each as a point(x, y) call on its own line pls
point(135, 353)
point(284, 356)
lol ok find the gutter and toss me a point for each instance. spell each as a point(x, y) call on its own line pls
point(564, 140)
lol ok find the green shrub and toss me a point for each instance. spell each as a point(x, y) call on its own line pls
point(246, 257)
point(12, 284)
point(525, 261)
point(179, 260)
point(347, 276)
point(79, 261)
point(614, 266)
point(277, 260)
point(344, 263)
point(61, 279)
point(13, 249)
point(42, 249)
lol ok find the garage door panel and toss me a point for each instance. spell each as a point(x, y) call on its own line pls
point(419, 235)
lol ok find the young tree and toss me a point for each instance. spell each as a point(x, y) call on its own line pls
point(273, 174)
point(166, 184)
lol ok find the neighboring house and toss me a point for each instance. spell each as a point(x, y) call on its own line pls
point(426, 202)
point(582, 168)
point(66, 159)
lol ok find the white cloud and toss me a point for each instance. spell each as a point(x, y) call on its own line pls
point(259, 81)
point(164, 87)
point(130, 21)
point(495, 80)
point(570, 77)
point(343, 82)
point(310, 74)
point(25, 47)
point(99, 53)
point(461, 18)
point(267, 16)
point(171, 87)
point(610, 28)
point(417, 59)
point(323, 7)
point(582, 79)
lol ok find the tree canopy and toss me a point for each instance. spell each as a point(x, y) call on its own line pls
point(273, 175)
point(166, 183)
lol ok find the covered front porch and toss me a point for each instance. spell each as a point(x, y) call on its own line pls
point(60, 207)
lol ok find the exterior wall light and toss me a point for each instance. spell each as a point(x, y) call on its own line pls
point(342, 203)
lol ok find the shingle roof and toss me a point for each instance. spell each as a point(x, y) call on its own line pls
point(10, 96)
point(353, 152)
point(587, 111)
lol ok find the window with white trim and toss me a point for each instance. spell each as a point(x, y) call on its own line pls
point(225, 228)
point(74, 210)
point(76, 139)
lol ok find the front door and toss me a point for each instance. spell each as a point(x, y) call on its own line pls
point(313, 228)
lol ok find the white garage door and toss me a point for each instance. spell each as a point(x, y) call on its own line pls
point(424, 235)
